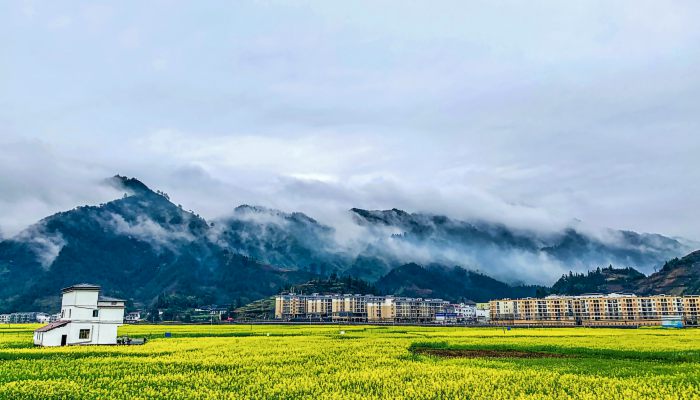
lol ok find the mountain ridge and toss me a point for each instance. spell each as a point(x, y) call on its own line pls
point(142, 245)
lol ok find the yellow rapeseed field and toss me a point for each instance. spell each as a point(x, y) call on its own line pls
point(317, 362)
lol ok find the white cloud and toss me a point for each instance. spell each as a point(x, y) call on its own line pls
point(37, 182)
point(46, 246)
point(531, 115)
point(147, 230)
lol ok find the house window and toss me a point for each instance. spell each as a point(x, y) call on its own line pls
point(84, 334)
point(95, 313)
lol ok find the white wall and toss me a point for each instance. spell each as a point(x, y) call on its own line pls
point(50, 338)
point(74, 332)
point(107, 334)
point(77, 305)
point(99, 334)
point(111, 314)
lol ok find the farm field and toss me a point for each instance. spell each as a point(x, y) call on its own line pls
point(317, 362)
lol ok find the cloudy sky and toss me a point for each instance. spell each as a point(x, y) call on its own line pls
point(536, 114)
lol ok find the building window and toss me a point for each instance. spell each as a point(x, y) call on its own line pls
point(84, 334)
point(95, 313)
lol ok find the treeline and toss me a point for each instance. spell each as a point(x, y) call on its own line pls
point(178, 307)
point(598, 280)
point(334, 284)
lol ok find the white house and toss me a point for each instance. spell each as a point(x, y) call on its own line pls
point(483, 312)
point(132, 317)
point(86, 318)
point(465, 311)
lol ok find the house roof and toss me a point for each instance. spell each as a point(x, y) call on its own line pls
point(52, 325)
point(107, 298)
point(81, 286)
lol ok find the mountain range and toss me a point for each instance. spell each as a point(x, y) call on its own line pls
point(142, 246)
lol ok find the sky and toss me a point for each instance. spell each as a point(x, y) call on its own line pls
point(539, 115)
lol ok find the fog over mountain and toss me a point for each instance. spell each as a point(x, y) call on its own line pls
point(393, 237)
point(142, 245)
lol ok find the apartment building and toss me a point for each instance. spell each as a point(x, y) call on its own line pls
point(21, 318)
point(318, 306)
point(358, 308)
point(352, 307)
point(290, 306)
point(596, 310)
point(405, 309)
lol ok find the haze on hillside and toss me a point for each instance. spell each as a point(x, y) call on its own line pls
point(585, 116)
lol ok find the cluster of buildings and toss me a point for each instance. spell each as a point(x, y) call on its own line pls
point(26, 317)
point(597, 310)
point(43, 318)
point(370, 308)
point(617, 309)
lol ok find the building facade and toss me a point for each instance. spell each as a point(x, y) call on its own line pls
point(464, 311)
point(483, 312)
point(85, 318)
point(357, 308)
point(596, 310)
point(24, 318)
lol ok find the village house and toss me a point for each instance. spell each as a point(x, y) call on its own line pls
point(133, 317)
point(85, 318)
point(43, 318)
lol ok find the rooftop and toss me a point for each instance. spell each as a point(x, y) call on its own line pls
point(52, 325)
point(107, 298)
point(81, 286)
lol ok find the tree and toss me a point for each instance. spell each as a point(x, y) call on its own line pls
point(153, 315)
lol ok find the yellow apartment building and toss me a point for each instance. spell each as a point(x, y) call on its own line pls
point(357, 308)
point(596, 310)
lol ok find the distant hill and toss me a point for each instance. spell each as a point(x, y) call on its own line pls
point(677, 277)
point(333, 285)
point(605, 280)
point(289, 240)
point(259, 309)
point(449, 283)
